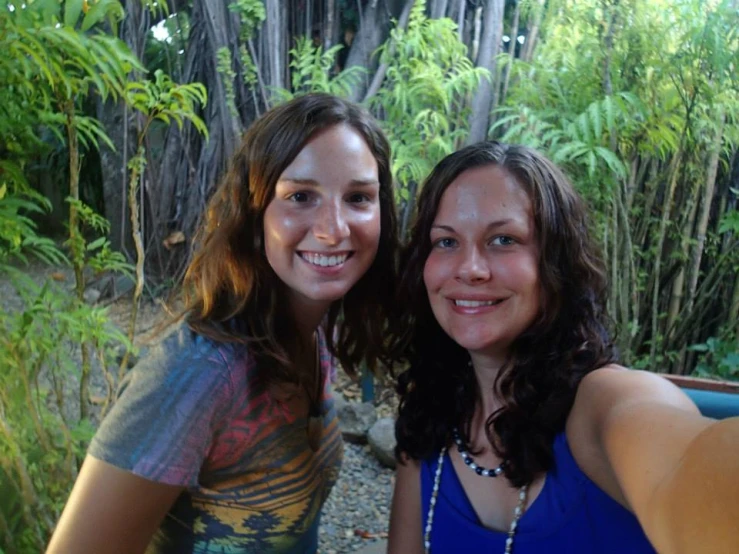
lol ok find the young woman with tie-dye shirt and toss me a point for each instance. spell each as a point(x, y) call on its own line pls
point(224, 438)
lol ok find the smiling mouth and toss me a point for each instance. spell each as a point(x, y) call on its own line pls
point(322, 260)
point(476, 303)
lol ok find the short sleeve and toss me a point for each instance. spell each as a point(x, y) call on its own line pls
point(168, 407)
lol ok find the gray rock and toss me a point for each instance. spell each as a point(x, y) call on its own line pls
point(355, 419)
point(91, 295)
point(381, 438)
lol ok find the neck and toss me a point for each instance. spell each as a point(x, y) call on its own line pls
point(487, 368)
point(307, 315)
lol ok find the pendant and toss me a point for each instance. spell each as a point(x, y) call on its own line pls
point(315, 432)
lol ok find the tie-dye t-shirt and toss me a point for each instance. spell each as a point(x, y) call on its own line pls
point(192, 413)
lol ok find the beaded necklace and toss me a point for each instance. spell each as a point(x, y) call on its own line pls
point(517, 512)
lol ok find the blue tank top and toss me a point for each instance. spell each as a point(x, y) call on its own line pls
point(571, 515)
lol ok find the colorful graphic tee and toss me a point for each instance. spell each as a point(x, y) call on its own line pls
point(192, 413)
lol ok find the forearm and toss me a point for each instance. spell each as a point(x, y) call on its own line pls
point(696, 508)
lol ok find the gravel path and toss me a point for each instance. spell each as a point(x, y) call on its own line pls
point(358, 510)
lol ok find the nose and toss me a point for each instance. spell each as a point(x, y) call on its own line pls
point(331, 225)
point(473, 267)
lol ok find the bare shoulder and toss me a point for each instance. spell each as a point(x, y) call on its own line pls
point(607, 398)
point(612, 385)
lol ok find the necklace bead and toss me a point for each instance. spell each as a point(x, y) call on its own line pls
point(469, 462)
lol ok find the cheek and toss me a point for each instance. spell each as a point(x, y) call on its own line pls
point(430, 273)
point(369, 227)
point(281, 226)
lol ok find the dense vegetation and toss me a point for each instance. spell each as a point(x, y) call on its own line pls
point(117, 118)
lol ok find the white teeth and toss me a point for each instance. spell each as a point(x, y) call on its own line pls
point(324, 261)
point(475, 303)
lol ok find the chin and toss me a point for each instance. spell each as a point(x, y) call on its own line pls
point(477, 343)
point(328, 295)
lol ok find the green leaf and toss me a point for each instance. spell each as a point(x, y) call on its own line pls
point(100, 10)
point(72, 11)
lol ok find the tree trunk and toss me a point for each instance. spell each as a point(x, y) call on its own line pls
point(461, 13)
point(274, 34)
point(489, 47)
point(476, 31)
point(380, 73)
point(374, 24)
point(190, 166)
point(118, 122)
point(511, 52)
point(438, 9)
point(608, 46)
point(329, 37)
point(533, 34)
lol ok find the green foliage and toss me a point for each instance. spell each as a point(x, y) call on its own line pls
point(229, 75)
point(56, 57)
point(97, 254)
point(719, 358)
point(423, 99)
point(18, 236)
point(730, 222)
point(312, 69)
point(251, 14)
point(41, 442)
point(636, 141)
point(250, 77)
point(167, 101)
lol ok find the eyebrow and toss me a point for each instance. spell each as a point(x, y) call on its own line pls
point(492, 225)
point(314, 183)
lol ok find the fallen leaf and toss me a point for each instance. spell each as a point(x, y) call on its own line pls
point(178, 237)
point(58, 276)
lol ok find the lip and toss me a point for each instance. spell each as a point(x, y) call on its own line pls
point(475, 310)
point(325, 270)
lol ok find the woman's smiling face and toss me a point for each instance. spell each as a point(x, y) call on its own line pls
point(322, 228)
point(482, 274)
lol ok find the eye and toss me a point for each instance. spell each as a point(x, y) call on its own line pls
point(358, 198)
point(503, 240)
point(444, 242)
point(299, 197)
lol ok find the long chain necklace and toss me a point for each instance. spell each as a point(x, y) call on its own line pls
point(517, 512)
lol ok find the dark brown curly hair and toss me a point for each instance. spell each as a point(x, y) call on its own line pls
point(568, 339)
point(234, 295)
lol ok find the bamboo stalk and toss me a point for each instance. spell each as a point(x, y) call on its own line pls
point(656, 339)
point(702, 228)
point(678, 285)
point(76, 243)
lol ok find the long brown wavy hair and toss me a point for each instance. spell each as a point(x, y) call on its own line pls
point(568, 339)
point(234, 295)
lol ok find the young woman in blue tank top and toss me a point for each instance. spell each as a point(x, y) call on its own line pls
point(517, 432)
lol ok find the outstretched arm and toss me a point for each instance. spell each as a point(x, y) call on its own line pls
point(111, 510)
point(645, 443)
